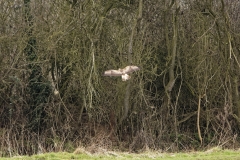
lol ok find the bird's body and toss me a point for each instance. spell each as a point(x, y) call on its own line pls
point(125, 77)
point(122, 72)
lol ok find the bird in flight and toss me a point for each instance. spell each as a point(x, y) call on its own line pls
point(122, 72)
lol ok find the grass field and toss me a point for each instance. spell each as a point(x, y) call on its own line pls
point(208, 155)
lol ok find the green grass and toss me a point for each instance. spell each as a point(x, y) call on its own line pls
point(210, 155)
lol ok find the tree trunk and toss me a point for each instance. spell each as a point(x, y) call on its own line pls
point(128, 88)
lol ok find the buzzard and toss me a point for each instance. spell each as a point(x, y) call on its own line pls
point(122, 72)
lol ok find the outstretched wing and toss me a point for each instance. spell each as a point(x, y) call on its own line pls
point(112, 73)
point(130, 69)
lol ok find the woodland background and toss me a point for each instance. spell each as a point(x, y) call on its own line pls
point(53, 96)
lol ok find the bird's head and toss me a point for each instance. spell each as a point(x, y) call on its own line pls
point(121, 70)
